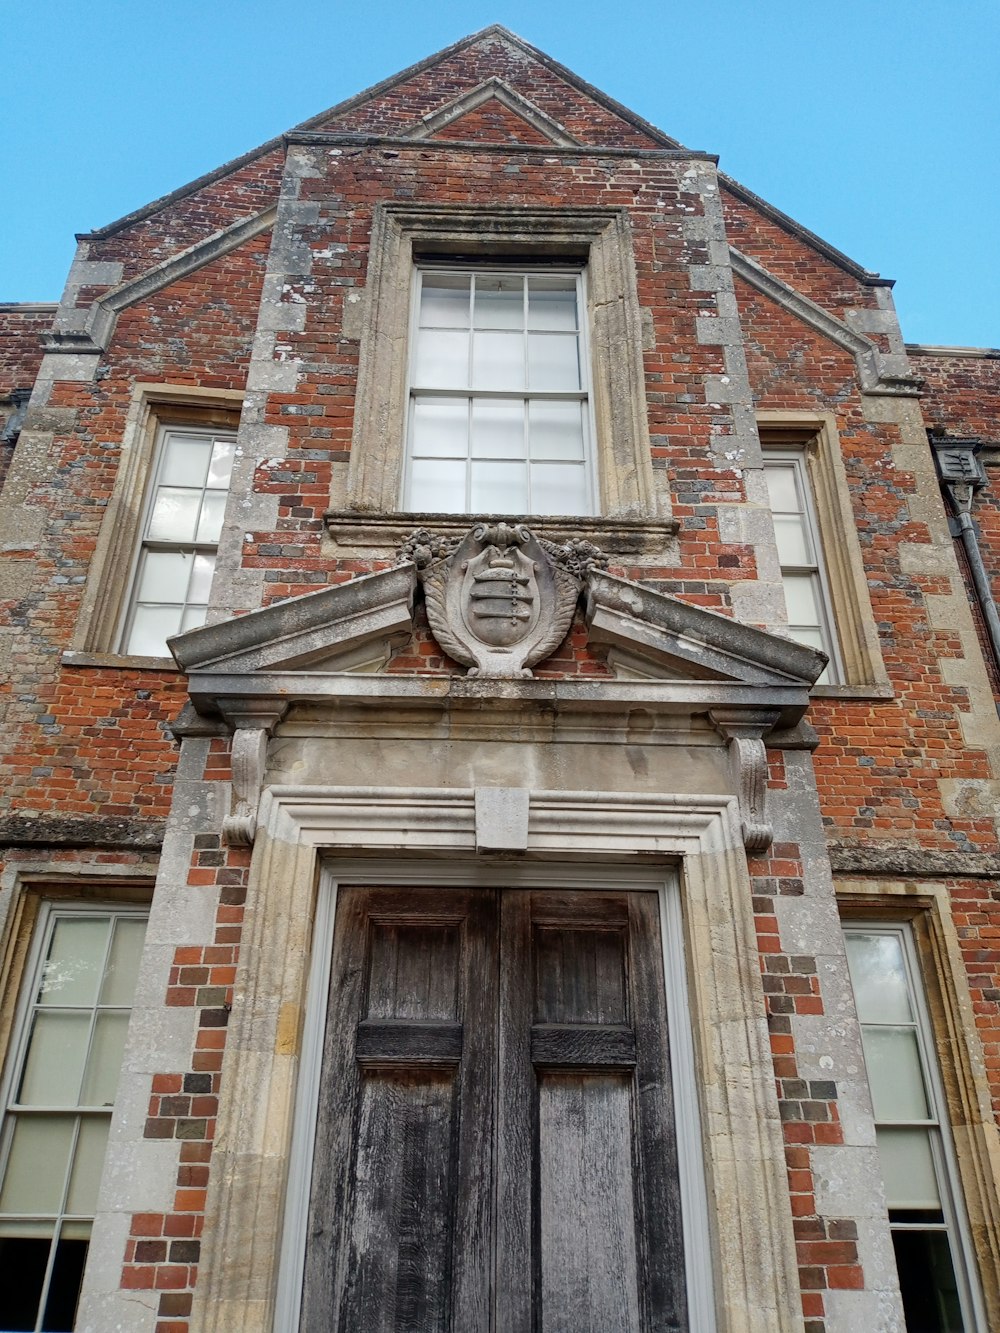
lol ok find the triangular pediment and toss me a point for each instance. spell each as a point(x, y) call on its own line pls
point(572, 110)
point(647, 635)
point(653, 636)
point(492, 112)
point(340, 628)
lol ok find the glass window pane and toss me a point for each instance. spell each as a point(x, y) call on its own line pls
point(556, 431)
point(36, 1168)
point(498, 360)
point(175, 515)
point(56, 1052)
point(927, 1281)
point(164, 576)
point(444, 300)
point(221, 468)
point(498, 428)
point(811, 635)
point(437, 486)
point(793, 540)
point(27, 1258)
point(87, 1162)
point(67, 1279)
point(105, 1061)
point(440, 427)
point(558, 488)
point(878, 975)
point(499, 302)
point(193, 617)
point(893, 1061)
point(552, 303)
point(499, 488)
point(185, 460)
point(152, 626)
point(908, 1168)
point(802, 599)
point(442, 360)
point(201, 579)
point(553, 361)
point(781, 488)
point(213, 511)
point(72, 971)
point(123, 961)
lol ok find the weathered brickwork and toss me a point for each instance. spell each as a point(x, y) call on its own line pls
point(903, 779)
point(962, 398)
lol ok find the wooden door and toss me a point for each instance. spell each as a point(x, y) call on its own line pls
point(495, 1147)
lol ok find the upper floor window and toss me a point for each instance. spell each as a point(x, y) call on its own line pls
point(179, 537)
point(800, 552)
point(499, 406)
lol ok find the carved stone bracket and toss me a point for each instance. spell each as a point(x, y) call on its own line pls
point(252, 727)
point(744, 731)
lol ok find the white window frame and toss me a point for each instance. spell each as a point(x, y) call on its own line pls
point(796, 461)
point(473, 394)
point(435, 875)
point(955, 1224)
point(50, 911)
point(142, 543)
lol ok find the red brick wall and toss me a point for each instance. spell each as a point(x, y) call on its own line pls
point(21, 330)
point(83, 740)
point(88, 741)
point(962, 398)
point(399, 108)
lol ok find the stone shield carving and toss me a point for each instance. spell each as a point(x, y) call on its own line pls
point(499, 599)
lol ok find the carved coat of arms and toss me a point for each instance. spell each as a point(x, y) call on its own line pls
point(500, 599)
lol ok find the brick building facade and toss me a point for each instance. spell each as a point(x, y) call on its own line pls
point(566, 810)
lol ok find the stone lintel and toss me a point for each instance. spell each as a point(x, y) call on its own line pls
point(103, 831)
point(213, 692)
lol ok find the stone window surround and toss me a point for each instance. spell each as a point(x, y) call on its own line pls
point(600, 238)
point(815, 434)
point(752, 1245)
point(926, 906)
point(153, 406)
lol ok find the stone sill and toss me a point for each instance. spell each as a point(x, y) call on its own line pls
point(354, 531)
point(120, 661)
point(876, 691)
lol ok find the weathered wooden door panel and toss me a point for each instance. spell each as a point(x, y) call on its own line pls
point(400, 1223)
point(588, 1192)
point(495, 1149)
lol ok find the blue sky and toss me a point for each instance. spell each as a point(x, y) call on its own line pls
point(872, 122)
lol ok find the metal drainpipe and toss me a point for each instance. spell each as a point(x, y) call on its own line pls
point(962, 474)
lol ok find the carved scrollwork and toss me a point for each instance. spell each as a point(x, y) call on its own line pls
point(744, 731)
point(251, 731)
point(500, 599)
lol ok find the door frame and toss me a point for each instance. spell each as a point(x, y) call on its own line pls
point(753, 1266)
point(545, 877)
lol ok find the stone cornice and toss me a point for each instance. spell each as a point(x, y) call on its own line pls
point(616, 536)
point(99, 321)
point(873, 377)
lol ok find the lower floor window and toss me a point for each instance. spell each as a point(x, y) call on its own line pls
point(59, 1089)
point(925, 1211)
